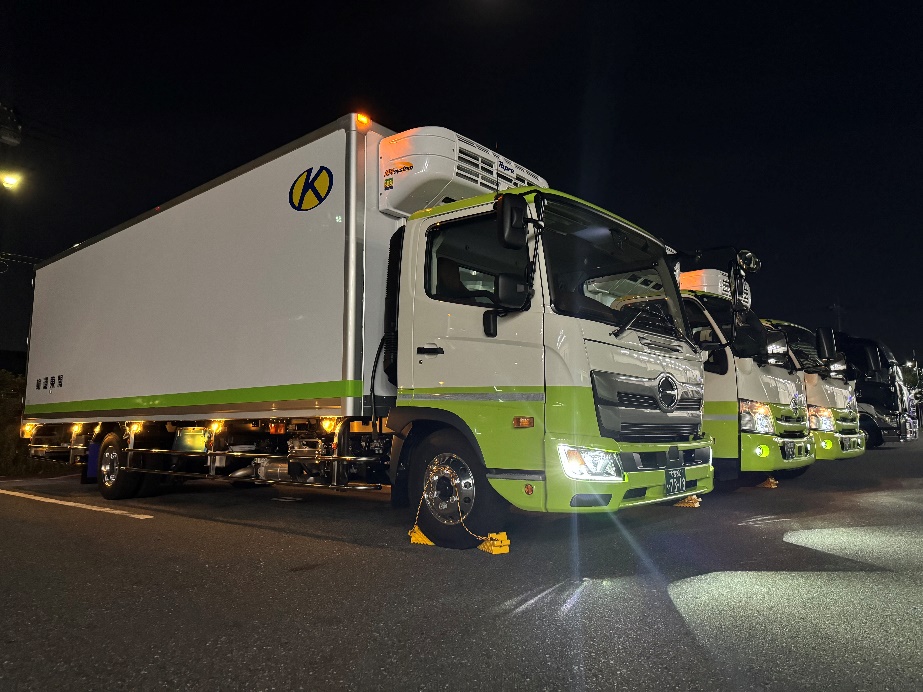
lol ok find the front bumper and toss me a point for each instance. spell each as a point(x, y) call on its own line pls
point(556, 492)
point(832, 445)
point(771, 452)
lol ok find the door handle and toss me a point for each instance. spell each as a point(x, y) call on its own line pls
point(430, 350)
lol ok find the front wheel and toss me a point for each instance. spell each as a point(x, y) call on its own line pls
point(457, 505)
point(115, 483)
point(873, 436)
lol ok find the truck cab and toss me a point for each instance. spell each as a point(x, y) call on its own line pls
point(525, 344)
point(755, 406)
point(833, 414)
point(886, 410)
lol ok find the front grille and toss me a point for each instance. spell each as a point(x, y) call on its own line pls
point(632, 400)
point(656, 432)
point(647, 461)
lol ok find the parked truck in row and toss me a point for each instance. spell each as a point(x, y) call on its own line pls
point(887, 412)
point(366, 308)
point(833, 414)
point(755, 406)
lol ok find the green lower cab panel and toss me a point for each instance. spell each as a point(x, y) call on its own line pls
point(831, 445)
point(770, 453)
point(524, 494)
point(564, 494)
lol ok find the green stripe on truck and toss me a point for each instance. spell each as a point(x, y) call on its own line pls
point(282, 392)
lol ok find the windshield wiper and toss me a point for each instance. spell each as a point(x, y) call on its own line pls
point(640, 309)
point(665, 319)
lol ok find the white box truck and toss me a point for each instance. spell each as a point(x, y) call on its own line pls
point(364, 308)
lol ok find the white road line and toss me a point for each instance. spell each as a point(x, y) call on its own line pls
point(78, 505)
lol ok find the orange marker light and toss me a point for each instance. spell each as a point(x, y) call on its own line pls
point(528, 489)
point(362, 118)
point(523, 422)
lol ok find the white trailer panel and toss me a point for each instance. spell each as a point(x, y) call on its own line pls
point(245, 298)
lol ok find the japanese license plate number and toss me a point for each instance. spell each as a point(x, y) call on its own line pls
point(676, 481)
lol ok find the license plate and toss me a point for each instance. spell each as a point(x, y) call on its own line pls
point(676, 481)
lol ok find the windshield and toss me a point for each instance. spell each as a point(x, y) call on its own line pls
point(803, 344)
point(602, 269)
point(751, 333)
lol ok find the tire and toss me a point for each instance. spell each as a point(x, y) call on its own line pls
point(445, 463)
point(114, 484)
point(785, 474)
point(400, 491)
point(873, 436)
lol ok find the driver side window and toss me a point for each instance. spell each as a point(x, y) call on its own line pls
point(465, 258)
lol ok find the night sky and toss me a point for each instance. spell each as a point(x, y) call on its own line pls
point(791, 129)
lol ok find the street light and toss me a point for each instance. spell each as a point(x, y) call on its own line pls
point(10, 180)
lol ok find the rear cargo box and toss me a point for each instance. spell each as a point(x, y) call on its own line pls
point(249, 297)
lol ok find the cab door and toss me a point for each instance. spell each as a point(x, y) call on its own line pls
point(487, 381)
point(720, 411)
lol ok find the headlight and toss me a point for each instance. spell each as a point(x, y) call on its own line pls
point(820, 418)
point(756, 417)
point(581, 463)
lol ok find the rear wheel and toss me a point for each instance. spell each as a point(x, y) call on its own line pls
point(446, 474)
point(115, 483)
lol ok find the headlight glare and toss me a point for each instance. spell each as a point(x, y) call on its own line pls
point(756, 417)
point(583, 463)
point(820, 418)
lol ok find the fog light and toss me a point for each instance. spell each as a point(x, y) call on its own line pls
point(762, 451)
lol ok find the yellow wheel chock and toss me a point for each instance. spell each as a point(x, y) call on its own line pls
point(418, 537)
point(690, 501)
point(769, 483)
point(496, 544)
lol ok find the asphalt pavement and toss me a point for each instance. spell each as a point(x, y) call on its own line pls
point(814, 585)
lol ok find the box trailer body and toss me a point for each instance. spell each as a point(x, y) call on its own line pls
point(365, 307)
point(833, 414)
point(755, 407)
point(251, 298)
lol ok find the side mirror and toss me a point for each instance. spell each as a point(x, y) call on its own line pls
point(512, 293)
point(511, 221)
point(747, 261)
point(776, 346)
point(737, 302)
point(826, 344)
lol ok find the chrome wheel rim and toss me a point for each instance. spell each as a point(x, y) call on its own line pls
point(109, 466)
point(449, 489)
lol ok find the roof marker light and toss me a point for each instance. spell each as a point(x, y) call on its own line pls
point(362, 119)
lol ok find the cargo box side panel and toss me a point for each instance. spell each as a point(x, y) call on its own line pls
point(231, 301)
